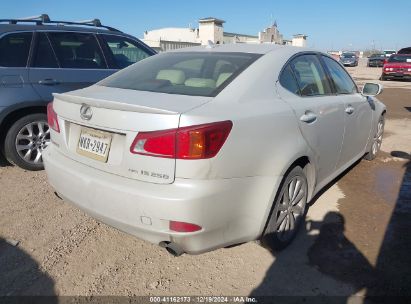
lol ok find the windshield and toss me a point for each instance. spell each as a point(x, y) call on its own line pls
point(194, 73)
point(395, 58)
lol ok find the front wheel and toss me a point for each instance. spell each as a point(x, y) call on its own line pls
point(377, 140)
point(26, 140)
point(288, 211)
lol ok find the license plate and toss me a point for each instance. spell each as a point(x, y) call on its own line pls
point(94, 144)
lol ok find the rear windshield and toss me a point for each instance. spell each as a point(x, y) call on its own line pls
point(395, 58)
point(195, 73)
point(377, 56)
point(348, 55)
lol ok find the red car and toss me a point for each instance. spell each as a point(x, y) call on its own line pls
point(398, 66)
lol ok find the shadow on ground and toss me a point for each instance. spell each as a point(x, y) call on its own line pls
point(3, 162)
point(20, 275)
point(329, 264)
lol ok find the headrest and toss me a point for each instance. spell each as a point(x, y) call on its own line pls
point(222, 77)
point(174, 76)
point(200, 83)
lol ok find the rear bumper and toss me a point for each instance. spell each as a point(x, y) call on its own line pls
point(396, 75)
point(229, 211)
point(349, 63)
point(375, 63)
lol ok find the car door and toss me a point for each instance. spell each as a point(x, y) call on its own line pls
point(66, 61)
point(320, 114)
point(15, 87)
point(358, 113)
point(121, 51)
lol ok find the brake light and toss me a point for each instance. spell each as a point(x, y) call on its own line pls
point(183, 227)
point(194, 142)
point(52, 119)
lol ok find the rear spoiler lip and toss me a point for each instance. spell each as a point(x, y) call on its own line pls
point(111, 105)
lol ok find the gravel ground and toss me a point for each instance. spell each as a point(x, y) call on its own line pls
point(356, 240)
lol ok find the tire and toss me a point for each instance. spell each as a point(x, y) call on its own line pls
point(383, 78)
point(377, 140)
point(285, 214)
point(25, 141)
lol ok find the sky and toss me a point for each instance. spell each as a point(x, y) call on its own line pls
point(330, 25)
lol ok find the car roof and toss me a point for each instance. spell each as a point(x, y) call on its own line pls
point(243, 48)
point(4, 28)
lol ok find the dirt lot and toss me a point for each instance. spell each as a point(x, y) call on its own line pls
point(357, 239)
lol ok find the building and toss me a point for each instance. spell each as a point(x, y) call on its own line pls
point(299, 40)
point(212, 29)
point(271, 34)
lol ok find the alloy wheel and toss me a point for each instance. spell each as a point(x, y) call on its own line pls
point(291, 208)
point(376, 145)
point(31, 140)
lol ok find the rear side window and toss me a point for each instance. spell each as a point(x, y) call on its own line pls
point(77, 50)
point(402, 58)
point(310, 76)
point(124, 51)
point(192, 73)
point(43, 55)
point(342, 81)
point(14, 49)
point(288, 81)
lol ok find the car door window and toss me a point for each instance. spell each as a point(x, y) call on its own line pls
point(124, 51)
point(14, 49)
point(288, 81)
point(43, 54)
point(310, 76)
point(77, 50)
point(342, 81)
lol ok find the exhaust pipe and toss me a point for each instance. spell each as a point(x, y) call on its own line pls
point(172, 248)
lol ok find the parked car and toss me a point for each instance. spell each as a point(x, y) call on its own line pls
point(406, 50)
point(398, 66)
point(39, 57)
point(388, 53)
point(349, 59)
point(207, 147)
point(376, 60)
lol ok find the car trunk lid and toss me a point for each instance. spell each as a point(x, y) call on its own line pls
point(98, 126)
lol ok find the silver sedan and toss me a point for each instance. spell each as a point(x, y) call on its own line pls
point(207, 147)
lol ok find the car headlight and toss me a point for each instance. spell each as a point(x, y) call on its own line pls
point(409, 70)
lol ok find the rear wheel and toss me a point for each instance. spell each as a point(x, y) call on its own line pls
point(288, 211)
point(26, 140)
point(377, 140)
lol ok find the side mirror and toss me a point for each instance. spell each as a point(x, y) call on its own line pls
point(371, 89)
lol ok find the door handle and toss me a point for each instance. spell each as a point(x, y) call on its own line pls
point(308, 117)
point(48, 82)
point(349, 109)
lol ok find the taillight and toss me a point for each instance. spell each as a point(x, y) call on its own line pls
point(194, 142)
point(183, 227)
point(52, 119)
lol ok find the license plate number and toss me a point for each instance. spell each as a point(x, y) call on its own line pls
point(94, 144)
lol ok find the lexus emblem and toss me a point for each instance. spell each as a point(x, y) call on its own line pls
point(85, 112)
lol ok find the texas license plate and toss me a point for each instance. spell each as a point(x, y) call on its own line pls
point(94, 144)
